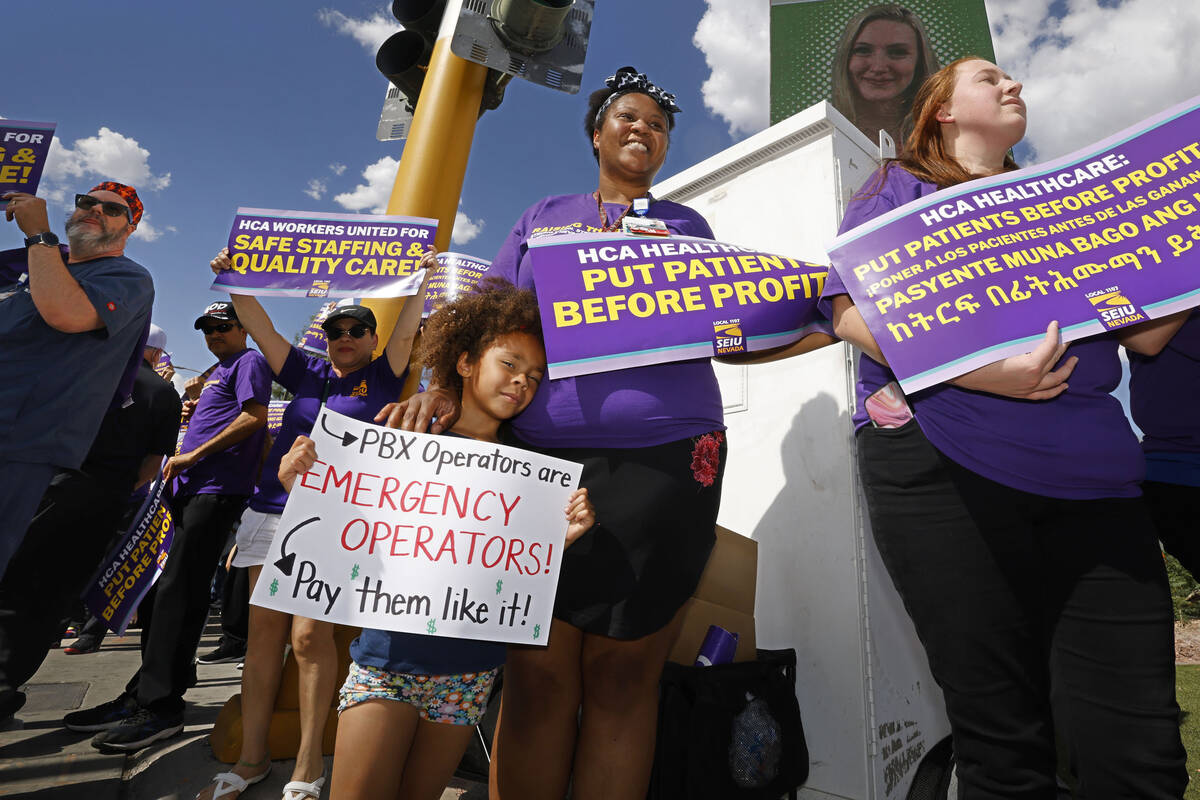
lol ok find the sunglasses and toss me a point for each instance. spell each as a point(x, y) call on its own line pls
point(356, 331)
point(224, 327)
point(85, 202)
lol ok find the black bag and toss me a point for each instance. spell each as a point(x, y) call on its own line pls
point(730, 732)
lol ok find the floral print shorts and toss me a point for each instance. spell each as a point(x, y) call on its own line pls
point(451, 699)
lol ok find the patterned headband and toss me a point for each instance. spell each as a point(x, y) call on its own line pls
point(627, 80)
point(128, 193)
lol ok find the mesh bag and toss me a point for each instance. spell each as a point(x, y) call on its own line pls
point(730, 732)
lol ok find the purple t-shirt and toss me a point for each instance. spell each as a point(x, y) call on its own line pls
point(638, 407)
point(237, 379)
point(1076, 446)
point(360, 395)
point(1162, 392)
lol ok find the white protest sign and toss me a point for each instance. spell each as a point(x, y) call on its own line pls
point(423, 534)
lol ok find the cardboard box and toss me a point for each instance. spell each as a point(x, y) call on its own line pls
point(697, 616)
point(731, 576)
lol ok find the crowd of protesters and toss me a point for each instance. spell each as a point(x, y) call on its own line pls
point(1007, 504)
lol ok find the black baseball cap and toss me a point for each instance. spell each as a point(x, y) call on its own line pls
point(222, 310)
point(361, 313)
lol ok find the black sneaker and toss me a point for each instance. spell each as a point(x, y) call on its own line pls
point(86, 643)
point(143, 727)
point(224, 654)
point(102, 717)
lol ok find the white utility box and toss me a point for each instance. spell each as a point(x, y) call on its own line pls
point(872, 712)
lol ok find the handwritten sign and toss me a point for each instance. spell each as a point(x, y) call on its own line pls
point(23, 150)
point(134, 564)
point(1100, 239)
point(427, 534)
point(610, 301)
point(307, 254)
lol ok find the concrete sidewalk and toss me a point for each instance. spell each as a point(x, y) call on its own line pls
point(41, 760)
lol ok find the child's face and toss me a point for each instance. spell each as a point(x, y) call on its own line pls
point(503, 380)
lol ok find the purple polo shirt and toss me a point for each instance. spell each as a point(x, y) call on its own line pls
point(237, 379)
point(1076, 446)
point(1162, 392)
point(638, 407)
point(360, 394)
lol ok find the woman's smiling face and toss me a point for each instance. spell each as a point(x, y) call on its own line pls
point(633, 137)
point(883, 60)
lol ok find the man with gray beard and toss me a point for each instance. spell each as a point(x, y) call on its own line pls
point(69, 328)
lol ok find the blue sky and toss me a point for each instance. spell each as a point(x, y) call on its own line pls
point(206, 107)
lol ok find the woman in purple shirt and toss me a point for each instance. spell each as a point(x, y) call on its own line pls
point(651, 441)
point(351, 382)
point(1007, 512)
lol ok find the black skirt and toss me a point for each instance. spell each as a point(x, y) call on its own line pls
point(655, 527)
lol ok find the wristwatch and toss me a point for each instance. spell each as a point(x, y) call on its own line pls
point(48, 238)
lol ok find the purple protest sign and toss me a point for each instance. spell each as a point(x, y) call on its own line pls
point(308, 254)
point(454, 274)
point(134, 564)
point(23, 150)
point(610, 301)
point(1096, 240)
point(163, 364)
point(275, 411)
point(314, 341)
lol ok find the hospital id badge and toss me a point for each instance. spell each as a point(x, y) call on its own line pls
point(644, 226)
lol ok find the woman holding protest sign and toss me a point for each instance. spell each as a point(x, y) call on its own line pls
point(652, 443)
point(351, 382)
point(1005, 505)
point(411, 702)
point(881, 60)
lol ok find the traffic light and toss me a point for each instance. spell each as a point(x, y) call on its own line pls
point(543, 41)
point(404, 57)
point(530, 26)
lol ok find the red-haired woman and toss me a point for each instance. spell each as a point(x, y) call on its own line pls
point(1008, 513)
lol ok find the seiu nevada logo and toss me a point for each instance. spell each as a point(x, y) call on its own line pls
point(727, 337)
point(360, 390)
point(319, 289)
point(1115, 309)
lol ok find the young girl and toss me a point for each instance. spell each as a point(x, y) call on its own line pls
point(1009, 516)
point(486, 346)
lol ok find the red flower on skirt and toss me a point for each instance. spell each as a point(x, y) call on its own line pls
point(706, 457)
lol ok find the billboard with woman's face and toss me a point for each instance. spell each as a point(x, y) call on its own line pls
point(868, 59)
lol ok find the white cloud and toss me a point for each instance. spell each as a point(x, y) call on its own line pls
point(337, 169)
point(1099, 68)
point(465, 228)
point(370, 32)
point(108, 155)
point(733, 35)
point(316, 188)
point(148, 232)
point(373, 195)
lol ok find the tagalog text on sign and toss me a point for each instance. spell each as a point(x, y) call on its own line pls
point(1103, 238)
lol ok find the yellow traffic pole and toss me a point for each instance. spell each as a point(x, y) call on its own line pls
point(428, 184)
point(434, 162)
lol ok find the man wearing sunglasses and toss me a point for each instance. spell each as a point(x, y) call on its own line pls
point(69, 327)
point(213, 476)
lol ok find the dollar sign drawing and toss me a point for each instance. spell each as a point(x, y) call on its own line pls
point(274, 586)
point(354, 572)
point(498, 585)
point(430, 627)
point(537, 631)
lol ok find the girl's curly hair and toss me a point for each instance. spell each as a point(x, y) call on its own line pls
point(471, 323)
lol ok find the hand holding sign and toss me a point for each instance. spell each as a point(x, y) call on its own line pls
point(413, 532)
